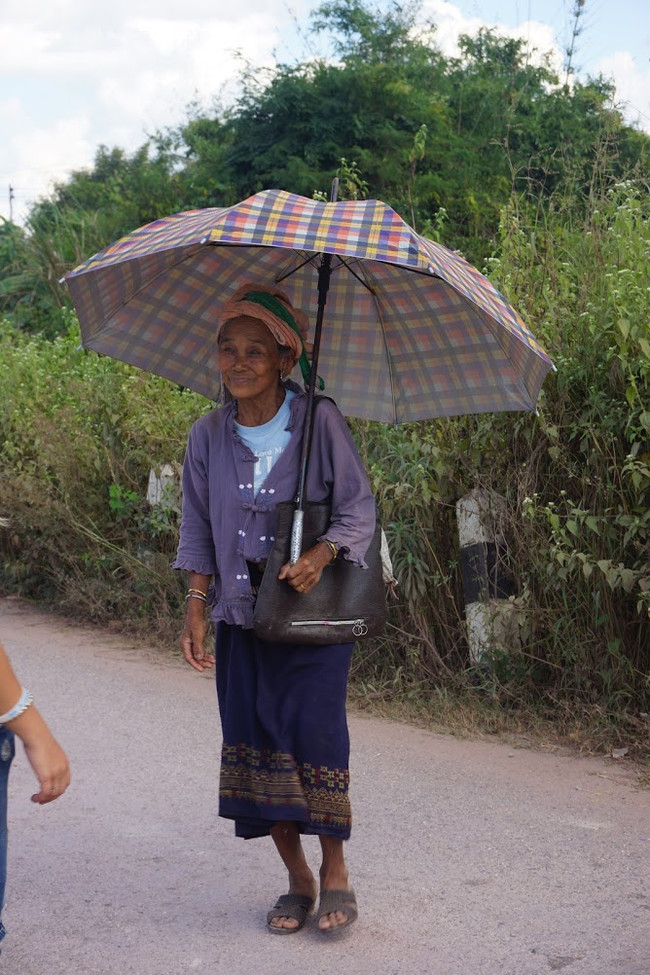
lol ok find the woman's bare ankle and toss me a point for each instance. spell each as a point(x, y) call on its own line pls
point(334, 878)
point(303, 882)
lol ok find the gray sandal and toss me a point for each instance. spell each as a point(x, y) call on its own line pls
point(338, 900)
point(296, 906)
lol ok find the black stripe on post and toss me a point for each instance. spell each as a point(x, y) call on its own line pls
point(485, 573)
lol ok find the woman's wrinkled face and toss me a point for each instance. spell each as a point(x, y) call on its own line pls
point(249, 359)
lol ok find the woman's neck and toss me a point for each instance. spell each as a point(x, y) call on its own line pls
point(253, 413)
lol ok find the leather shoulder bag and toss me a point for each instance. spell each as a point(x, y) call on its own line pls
point(348, 604)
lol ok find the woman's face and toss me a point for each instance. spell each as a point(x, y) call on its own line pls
point(249, 359)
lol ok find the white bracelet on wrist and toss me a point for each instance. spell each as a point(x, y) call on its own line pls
point(23, 703)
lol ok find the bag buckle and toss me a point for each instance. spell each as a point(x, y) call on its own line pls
point(359, 626)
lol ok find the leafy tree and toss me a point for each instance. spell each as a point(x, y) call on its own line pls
point(84, 214)
point(118, 194)
point(445, 142)
point(291, 126)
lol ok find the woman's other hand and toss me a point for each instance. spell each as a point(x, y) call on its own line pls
point(193, 637)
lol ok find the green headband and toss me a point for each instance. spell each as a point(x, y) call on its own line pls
point(272, 304)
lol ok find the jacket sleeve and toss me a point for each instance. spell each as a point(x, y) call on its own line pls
point(336, 472)
point(196, 546)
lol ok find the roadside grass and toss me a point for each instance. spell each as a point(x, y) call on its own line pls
point(471, 711)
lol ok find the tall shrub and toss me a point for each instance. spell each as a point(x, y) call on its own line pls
point(79, 434)
point(585, 495)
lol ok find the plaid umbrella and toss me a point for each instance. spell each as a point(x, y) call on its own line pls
point(411, 331)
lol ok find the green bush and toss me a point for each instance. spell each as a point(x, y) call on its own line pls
point(584, 498)
point(80, 433)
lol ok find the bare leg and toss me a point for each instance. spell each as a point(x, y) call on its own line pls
point(333, 876)
point(301, 880)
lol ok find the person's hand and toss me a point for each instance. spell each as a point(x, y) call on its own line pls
point(306, 573)
point(50, 765)
point(193, 637)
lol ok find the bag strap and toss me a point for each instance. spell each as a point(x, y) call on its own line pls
point(317, 400)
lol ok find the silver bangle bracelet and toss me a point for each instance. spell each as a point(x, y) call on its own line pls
point(23, 703)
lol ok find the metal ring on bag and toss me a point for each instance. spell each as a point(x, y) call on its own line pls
point(359, 628)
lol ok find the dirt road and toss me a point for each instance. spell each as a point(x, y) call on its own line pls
point(468, 858)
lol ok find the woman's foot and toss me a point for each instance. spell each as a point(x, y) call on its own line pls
point(338, 907)
point(298, 903)
point(301, 880)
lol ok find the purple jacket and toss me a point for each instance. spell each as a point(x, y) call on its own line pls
point(224, 525)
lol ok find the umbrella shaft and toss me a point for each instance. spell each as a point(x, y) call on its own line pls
point(324, 273)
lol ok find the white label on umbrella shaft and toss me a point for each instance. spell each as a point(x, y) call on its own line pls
point(296, 536)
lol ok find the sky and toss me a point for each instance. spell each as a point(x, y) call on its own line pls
point(77, 74)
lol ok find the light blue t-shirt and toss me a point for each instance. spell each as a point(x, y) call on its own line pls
point(268, 441)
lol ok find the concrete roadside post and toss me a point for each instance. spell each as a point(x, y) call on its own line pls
point(161, 486)
point(490, 611)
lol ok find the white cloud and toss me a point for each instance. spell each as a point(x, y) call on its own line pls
point(23, 46)
point(451, 23)
point(632, 87)
point(80, 83)
point(40, 155)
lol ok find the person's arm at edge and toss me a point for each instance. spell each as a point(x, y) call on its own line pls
point(45, 755)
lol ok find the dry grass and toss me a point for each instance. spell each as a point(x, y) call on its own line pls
point(471, 714)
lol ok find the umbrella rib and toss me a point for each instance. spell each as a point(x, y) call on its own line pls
point(342, 263)
point(373, 291)
point(354, 274)
point(295, 269)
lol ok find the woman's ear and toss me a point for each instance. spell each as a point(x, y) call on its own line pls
point(287, 364)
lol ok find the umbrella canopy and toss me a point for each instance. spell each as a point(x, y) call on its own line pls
point(411, 330)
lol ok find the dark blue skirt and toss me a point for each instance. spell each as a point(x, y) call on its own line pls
point(285, 746)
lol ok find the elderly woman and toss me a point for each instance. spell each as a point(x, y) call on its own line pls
point(284, 759)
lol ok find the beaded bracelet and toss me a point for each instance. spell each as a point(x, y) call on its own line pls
point(23, 703)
